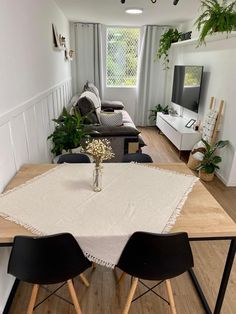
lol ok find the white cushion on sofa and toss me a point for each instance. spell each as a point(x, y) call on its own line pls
point(111, 118)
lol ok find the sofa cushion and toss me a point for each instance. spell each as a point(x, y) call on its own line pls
point(114, 104)
point(89, 86)
point(102, 130)
point(89, 105)
point(111, 118)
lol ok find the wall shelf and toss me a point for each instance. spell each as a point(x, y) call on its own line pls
point(215, 37)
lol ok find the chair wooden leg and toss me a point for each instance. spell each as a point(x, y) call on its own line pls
point(33, 299)
point(122, 277)
point(84, 280)
point(130, 296)
point(73, 296)
point(171, 297)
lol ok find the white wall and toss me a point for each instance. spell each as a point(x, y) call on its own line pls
point(35, 84)
point(218, 59)
point(125, 94)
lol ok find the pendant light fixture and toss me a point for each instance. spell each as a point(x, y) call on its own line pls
point(154, 1)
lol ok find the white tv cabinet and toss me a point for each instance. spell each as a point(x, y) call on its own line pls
point(175, 130)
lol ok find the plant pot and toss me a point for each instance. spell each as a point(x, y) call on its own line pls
point(206, 176)
point(192, 162)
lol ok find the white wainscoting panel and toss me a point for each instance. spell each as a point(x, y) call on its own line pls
point(30, 123)
point(24, 130)
point(19, 140)
point(7, 161)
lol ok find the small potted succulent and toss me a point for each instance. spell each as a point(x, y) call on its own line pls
point(169, 37)
point(210, 161)
point(216, 17)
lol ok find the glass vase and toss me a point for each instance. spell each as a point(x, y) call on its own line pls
point(97, 179)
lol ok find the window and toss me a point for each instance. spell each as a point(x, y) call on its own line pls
point(122, 56)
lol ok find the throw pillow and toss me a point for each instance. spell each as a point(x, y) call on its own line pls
point(111, 118)
point(89, 105)
point(89, 86)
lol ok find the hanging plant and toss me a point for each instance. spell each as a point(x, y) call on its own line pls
point(216, 17)
point(169, 37)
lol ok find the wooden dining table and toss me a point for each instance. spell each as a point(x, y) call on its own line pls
point(202, 217)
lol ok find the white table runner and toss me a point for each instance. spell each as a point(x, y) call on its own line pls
point(134, 198)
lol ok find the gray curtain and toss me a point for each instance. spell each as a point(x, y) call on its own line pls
point(86, 40)
point(151, 76)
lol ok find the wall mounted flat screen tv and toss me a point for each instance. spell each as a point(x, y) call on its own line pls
point(187, 84)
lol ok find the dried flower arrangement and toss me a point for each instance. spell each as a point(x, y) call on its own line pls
point(100, 150)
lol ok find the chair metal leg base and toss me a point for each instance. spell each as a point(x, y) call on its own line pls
point(150, 289)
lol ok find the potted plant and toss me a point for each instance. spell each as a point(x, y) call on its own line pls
point(155, 110)
point(169, 37)
point(210, 161)
point(69, 132)
point(216, 17)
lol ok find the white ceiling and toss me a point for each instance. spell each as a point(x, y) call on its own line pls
point(112, 12)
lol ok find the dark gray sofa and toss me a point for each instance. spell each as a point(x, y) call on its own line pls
point(122, 137)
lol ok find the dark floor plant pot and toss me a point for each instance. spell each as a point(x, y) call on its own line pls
point(206, 176)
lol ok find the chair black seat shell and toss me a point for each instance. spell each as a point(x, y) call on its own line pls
point(156, 257)
point(47, 260)
point(153, 256)
point(73, 158)
point(137, 157)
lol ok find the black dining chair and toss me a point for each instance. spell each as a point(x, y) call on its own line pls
point(156, 257)
point(73, 158)
point(47, 260)
point(137, 157)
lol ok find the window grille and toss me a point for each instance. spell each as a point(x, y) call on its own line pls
point(122, 56)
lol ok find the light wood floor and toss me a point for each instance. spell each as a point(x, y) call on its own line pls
point(105, 297)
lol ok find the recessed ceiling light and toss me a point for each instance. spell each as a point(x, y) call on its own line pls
point(134, 11)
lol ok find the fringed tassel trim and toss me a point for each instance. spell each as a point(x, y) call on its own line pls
point(18, 222)
point(99, 261)
point(177, 211)
point(150, 166)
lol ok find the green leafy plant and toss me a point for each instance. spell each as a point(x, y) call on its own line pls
point(210, 161)
point(169, 37)
point(155, 110)
point(69, 132)
point(216, 17)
